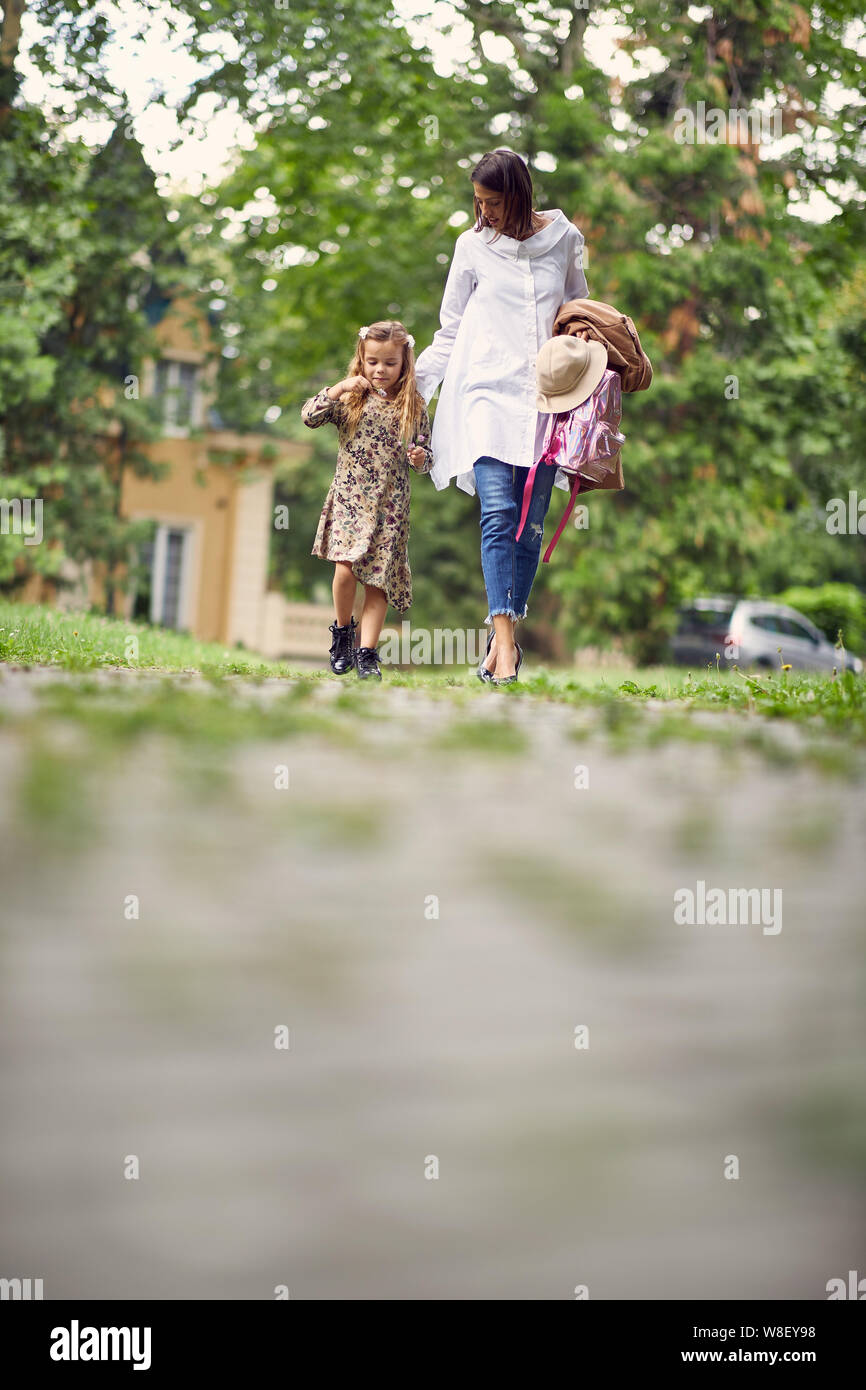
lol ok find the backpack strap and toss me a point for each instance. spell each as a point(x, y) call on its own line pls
point(575, 488)
point(549, 457)
point(527, 496)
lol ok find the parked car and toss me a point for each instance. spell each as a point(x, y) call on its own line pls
point(749, 632)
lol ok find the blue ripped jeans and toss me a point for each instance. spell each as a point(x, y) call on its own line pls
point(509, 566)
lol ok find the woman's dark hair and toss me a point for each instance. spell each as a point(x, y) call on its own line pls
point(506, 173)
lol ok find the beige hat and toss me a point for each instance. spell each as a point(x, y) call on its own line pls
point(568, 369)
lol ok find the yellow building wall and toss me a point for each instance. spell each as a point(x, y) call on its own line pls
point(178, 499)
point(229, 508)
point(184, 328)
point(253, 516)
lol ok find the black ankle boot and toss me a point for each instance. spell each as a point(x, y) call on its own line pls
point(343, 647)
point(367, 663)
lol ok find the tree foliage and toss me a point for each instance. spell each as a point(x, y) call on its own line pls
point(345, 205)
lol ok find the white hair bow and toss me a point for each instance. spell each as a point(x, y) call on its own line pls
point(365, 329)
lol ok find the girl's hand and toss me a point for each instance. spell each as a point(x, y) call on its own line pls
point(357, 382)
point(335, 392)
point(417, 456)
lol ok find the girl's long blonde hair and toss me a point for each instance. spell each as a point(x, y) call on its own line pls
point(409, 402)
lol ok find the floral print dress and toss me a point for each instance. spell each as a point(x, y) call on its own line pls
point(365, 519)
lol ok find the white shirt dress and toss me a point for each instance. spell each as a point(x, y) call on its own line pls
point(498, 307)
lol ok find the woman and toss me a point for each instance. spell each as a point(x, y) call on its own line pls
point(508, 277)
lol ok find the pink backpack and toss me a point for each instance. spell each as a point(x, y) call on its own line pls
point(584, 442)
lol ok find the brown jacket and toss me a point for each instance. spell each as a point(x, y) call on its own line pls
point(589, 318)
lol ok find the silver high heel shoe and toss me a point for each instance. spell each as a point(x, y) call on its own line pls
point(509, 680)
point(482, 672)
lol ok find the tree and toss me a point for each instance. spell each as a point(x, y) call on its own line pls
point(346, 204)
point(82, 240)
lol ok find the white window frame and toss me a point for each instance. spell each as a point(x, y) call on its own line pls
point(188, 563)
point(171, 395)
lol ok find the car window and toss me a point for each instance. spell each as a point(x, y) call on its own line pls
point(768, 622)
point(795, 629)
point(705, 619)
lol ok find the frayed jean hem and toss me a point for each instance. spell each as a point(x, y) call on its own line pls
point(509, 613)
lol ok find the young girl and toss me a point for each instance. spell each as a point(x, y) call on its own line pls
point(382, 422)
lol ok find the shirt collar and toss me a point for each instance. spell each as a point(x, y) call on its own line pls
point(537, 244)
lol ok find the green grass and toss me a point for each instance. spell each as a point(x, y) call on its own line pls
point(834, 702)
point(197, 719)
point(499, 738)
point(34, 635)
